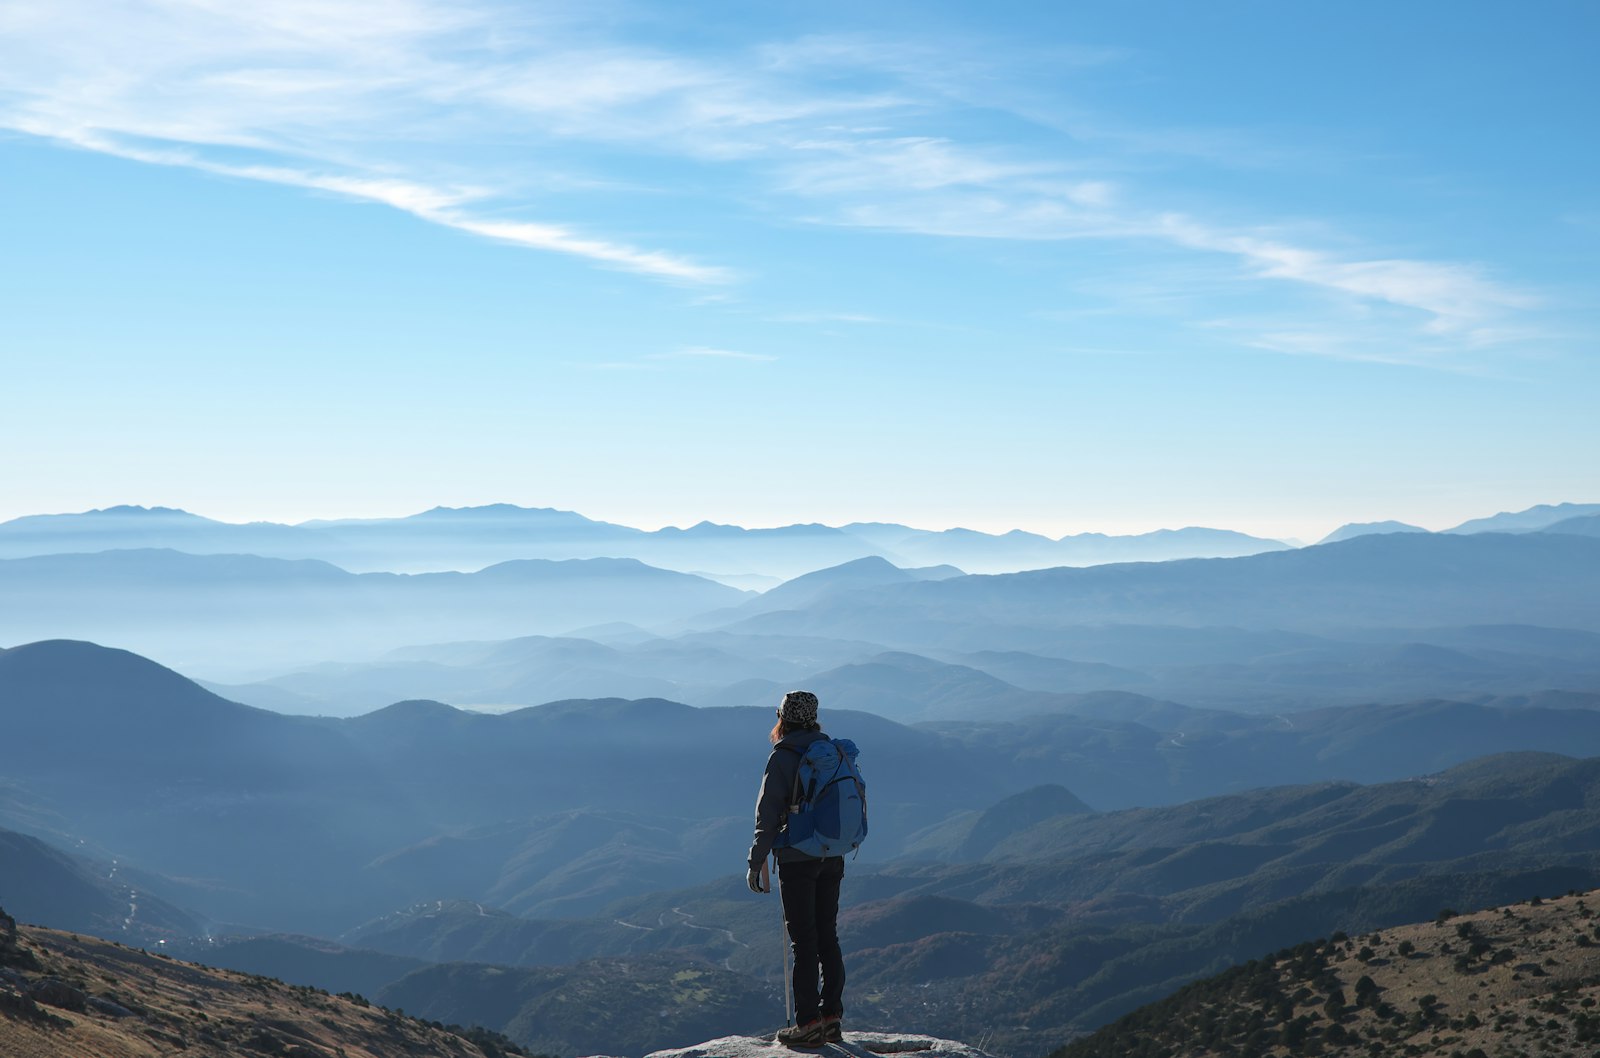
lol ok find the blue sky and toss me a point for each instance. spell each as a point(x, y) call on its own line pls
point(1086, 266)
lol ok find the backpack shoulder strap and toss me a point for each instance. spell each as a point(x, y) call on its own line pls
point(794, 794)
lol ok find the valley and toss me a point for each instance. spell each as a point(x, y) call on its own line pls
point(1088, 786)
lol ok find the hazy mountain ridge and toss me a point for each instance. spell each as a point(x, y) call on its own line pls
point(45, 884)
point(1532, 519)
point(530, 670)
point(1385, 580)
point(1583, 525)
point(424, 786)
point(244, 794)
point(473, 537)
point(252, 610)
point(1320, 607)
point(1241, 671)
point(1354, 529)
point(470, 538)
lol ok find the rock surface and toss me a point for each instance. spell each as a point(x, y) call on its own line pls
point(859, 1044)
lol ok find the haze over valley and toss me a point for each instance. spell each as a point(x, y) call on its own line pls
point(545, 764)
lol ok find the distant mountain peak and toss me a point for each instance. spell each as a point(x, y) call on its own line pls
point(496, 510)
point(1017, 813)
point(412, 709)
point(1354, 529)
point(136, 509)
point(1526, 521)
point(80, 653)
point(1579, 525)
point(77, 679)
point(123, 512)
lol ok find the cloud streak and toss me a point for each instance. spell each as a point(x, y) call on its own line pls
point(1449, 299)
point(311, 88)
point(464, 114)
point(705, 352)
point(436, 205)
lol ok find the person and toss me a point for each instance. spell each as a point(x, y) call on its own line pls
point(808, 885)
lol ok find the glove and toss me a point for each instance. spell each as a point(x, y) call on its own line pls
point(754, 880)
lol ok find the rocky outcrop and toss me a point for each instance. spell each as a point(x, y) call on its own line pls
point(109, 1008)
point(18, 1004)
point(57, 993)
point(12, 953)
point(858, 1044)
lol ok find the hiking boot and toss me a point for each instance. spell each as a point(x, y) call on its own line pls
point(832, 1029)
point(809, 1035)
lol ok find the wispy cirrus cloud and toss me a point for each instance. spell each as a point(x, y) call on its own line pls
point(467, 113)
point(443, 205)
point(1453, 297)
point(1445, 298)
point(825, 317)
point(702, 352)
point(663, 361)
point(351, 99)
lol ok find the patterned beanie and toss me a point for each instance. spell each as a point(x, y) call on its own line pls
point(799, 707)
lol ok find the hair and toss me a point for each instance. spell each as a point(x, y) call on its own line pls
point(784, 727)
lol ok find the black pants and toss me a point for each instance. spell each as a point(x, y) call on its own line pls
point(810, 890)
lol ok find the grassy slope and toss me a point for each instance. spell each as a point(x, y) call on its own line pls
point(119, 1002)
point(1503, 982)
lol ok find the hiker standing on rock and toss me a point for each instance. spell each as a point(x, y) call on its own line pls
point(811, 810)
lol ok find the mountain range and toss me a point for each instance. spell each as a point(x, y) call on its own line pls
point(424, 833)
point(1226, 668)
point(1389, 580)
point(1039, 941)
point(1089, 785)
point(143, 765)
point(243, 611)
point(470, 538)
point(1328, 624)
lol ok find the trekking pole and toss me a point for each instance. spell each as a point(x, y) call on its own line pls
point(783, 949)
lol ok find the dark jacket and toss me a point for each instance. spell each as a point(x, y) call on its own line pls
point(777, 786)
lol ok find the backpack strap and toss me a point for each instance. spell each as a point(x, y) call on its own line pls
point(793, 804)
point(794, 794)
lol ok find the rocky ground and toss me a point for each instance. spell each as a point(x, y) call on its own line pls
point(856, 1044)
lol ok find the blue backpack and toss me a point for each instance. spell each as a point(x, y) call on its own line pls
point(828, 807)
